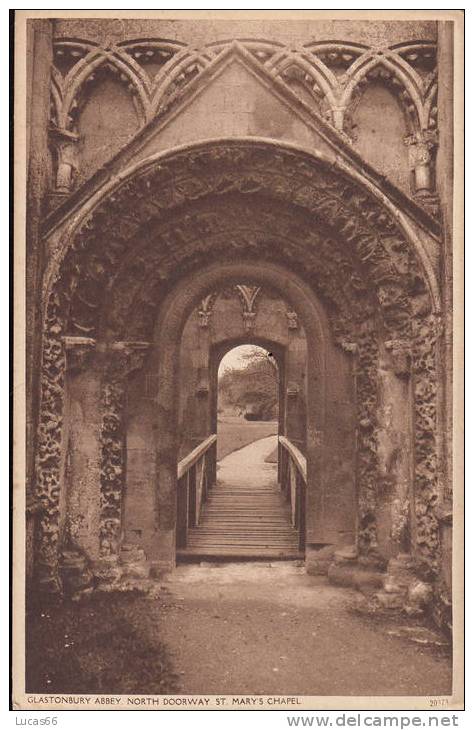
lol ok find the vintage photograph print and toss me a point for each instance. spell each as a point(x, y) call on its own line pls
point(237, 483)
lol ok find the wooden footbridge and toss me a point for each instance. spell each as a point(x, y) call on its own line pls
point(247, 514)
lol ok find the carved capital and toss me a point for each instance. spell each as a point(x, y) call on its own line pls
point(204, 318)
point(66, 147)
point(350, 347)
point(205, 310)
point(292, 319)
point(125, 358)
point(79, 351)
point(249, 320)
point(400, 356)
point(292, 390)
point(202, 387)
point(421, 147)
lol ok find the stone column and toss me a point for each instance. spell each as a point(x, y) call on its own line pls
point(82, 428)
point(195, 383)
point(421, 158)
point(65, 144)
point(395, 449)
point(39, 61)
point(122, 359)
point(295, 396)
point(445, 159)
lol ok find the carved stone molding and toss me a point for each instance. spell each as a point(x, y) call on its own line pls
point(400, 352)
point(421, 149)
point(427, 490)
point(313, 73)
point(292, 320)
point(65, 144)
point(78, 352)
point(367, 475)
point(284, 207)
point(123, 359)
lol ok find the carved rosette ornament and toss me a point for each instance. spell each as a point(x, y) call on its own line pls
point(123, 359)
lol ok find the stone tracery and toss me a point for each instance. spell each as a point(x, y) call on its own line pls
point(332, 76)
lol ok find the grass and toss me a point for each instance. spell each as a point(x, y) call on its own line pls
point(107, 643)
point(235, 432)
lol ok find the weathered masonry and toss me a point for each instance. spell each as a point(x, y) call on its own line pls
point(196, 185)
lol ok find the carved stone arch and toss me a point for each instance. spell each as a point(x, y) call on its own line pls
point(375, 207)
point(322, 205)
point(183, 68)
point(127, 72)
point(158, 51)
point(397, 75)
point(366, 233)
point(247, 232)
point(314, 76)
point(167, 339)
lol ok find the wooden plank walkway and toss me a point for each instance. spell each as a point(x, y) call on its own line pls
point(245, 515)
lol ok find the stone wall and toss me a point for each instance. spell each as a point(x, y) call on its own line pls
point(330, 173)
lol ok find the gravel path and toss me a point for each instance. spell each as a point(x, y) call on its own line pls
point(247, 466)
point(269, 628)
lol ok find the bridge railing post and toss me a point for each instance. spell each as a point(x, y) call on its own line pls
point(293, 475)
point(200, 465)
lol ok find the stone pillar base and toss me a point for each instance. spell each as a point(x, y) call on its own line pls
point(350, 570)
point(400, 589)
point(318, 558)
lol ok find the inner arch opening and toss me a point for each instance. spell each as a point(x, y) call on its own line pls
point(243, 384)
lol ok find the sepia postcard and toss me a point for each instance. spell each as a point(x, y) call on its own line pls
point(238, 459)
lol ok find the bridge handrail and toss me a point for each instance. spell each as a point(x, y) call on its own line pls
point(193, 457)
point(196, 476)
point(296, 455)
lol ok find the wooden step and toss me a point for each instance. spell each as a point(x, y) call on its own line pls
point(238, 521)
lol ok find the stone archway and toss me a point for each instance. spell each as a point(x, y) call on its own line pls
point(247, 201)
point(164, 359)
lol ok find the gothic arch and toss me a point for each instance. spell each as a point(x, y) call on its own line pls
point(245, 200)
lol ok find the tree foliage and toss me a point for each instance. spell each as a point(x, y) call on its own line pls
point(253, 388)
